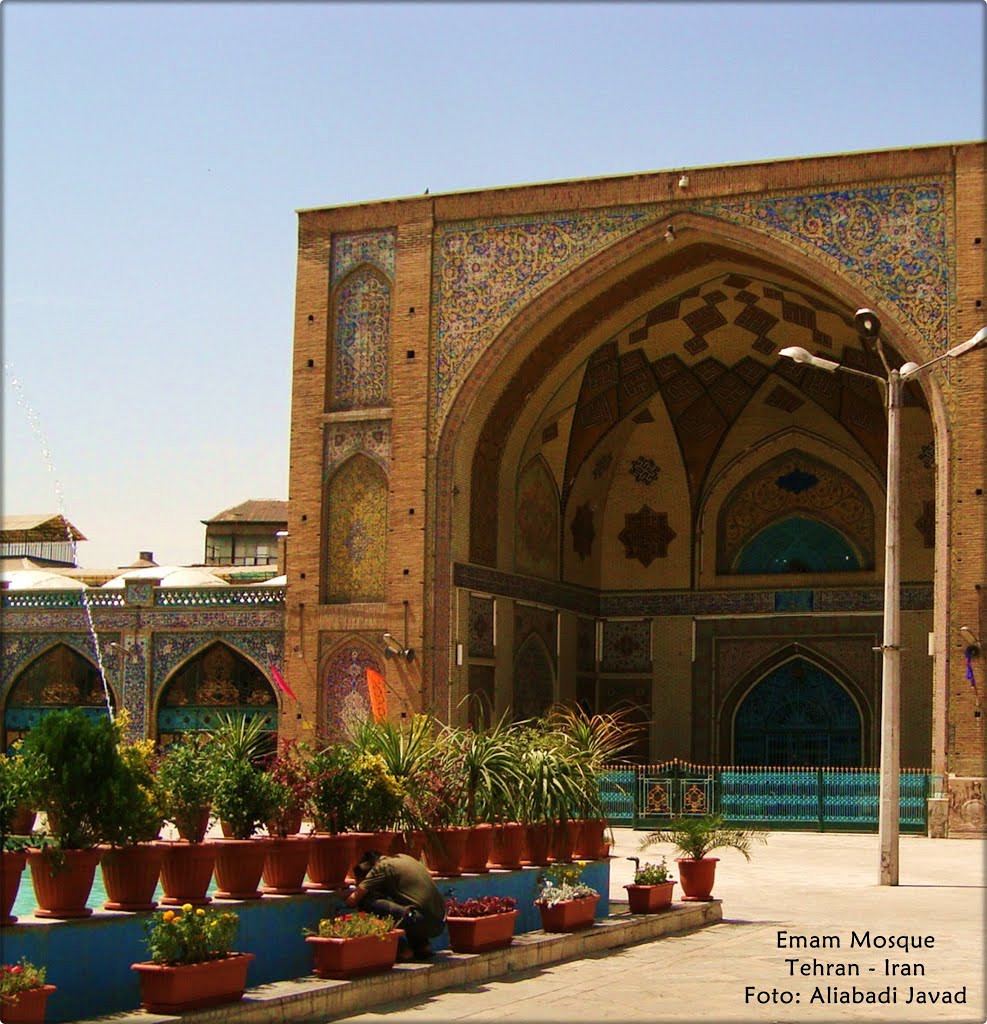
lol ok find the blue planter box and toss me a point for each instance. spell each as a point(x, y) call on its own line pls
point(89, 960)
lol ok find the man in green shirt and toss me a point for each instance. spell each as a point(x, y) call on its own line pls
point(399, 886)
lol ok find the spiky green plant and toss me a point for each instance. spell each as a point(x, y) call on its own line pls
point(697, 837)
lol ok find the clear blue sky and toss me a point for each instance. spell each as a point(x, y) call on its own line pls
point(155, 154)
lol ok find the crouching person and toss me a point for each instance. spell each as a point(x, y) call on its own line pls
point(398, 886)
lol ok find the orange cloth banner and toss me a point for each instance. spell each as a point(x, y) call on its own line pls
point(378, 695)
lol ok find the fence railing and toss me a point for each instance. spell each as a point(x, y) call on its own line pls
point(820, 799)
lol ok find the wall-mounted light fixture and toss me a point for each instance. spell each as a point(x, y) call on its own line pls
point(392, 649)
point(670, 233)
point(684, 181)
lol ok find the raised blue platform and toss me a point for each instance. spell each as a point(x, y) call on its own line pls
point(89, 960)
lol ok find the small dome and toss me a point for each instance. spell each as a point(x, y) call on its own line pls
point(38, 579)
point(277, 581)
point(169, 576)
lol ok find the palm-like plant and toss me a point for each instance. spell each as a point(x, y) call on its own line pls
point(490, 767)
point(697, 837)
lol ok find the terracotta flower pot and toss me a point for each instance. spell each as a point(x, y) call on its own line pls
point(293, 824)
point(63, 881)
point(22, 822)
point(697, 877)
point(362, 842)
point(480, 934)
point(567, 915)
point(562, 841)
point(353, 958)
point(285, 865)
point(186, 871)
point(239, 866)
point(591, 842)
point(444, 848)
point(508, 840)
point(130, 876)
point(330, 858)
point(166, 989)
point(649, 899)
point(28, 1008)
point(11, 869)
point(479, 843)
point(194, 828)
point(537, 839)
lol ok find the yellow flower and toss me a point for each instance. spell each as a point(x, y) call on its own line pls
point(200, 912)
point(187, 908)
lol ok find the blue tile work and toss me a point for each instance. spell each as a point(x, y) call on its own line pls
point(361, 339)
point(627, 646)
point(373, 247)
point(481, 631)
point(892, 237)
point(135, 688)
point(793, 601)
point(170, 650)
point(484, 273)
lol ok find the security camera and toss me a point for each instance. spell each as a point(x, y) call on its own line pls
point(868, 323)
point(392, 649)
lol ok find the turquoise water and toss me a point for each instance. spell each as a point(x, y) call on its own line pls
point(26, 904)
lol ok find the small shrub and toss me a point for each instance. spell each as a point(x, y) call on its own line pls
point(353, 926)
point(19, 977)
point(480, 906)
point(191, 935)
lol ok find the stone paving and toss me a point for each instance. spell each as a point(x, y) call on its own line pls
point(800, 886)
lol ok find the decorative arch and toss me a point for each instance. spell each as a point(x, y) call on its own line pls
point(798, 714)
point(536, 539)
point(216, 679)
point(58, 677)
point(346, 697)
point(360, 343)
point(356, 533)
point(534, 679)
point(792, 509)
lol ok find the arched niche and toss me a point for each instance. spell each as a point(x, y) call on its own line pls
point(345, 697)
point(533, 679)
point(536, 539)
point(360, 344)
point(58, 678)
point(798, 715)
point(356, 532)
point(215, 681)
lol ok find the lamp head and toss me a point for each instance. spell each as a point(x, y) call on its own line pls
point(868, 323)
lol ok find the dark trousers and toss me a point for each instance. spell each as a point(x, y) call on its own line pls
point(410, 919)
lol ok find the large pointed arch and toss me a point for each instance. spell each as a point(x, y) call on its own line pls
point(215, 679)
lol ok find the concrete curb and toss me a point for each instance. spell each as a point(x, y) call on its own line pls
point(311, 998)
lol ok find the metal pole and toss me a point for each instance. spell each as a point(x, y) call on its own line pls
point(890, 796)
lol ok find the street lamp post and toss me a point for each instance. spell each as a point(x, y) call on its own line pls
point(869, 327)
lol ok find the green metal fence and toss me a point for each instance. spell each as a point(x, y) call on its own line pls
point(823, 799)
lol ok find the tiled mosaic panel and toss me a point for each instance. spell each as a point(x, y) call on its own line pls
point(627, 646)
point(534, 679)
point(361, 340)
point(135, 687)
point(346, 439)
point(357, 532)
point(630, 698)
point(18, 649)
point(484, 274)
point(170, 650)
point(481, 627)
point(347, 697)
point(892, 237)
point(537, 522)
point(646, 535)
point(543, 622)
point(586, 644)
point(794, 484)
point(373, 247)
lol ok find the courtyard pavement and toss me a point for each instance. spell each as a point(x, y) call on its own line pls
point(819, 890)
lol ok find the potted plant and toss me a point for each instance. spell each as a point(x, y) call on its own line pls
point(565, 902)
point(287, 854)
point(244, 799)
point(186, 781)
point(695, 838)
point(131, 864)
point(191, 963)
point(78, 770)
point(23, 992)
point(480, 924)
point(651, 889)
point(16, 787)
point(333, 849)
point(352, 945)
